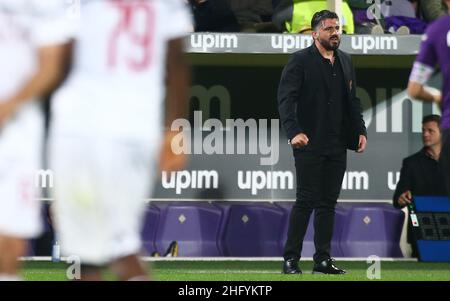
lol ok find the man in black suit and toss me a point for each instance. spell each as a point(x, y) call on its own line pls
point(421, 173)
point(322, 117)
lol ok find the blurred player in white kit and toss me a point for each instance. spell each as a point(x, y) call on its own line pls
point(107, 128)
point(32, 43)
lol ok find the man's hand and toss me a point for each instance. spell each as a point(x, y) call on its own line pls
point(7, 110)
point(362, 143)
point(437, 98)
point(405, 198)
point(424, 93)
point(168, 160)
point(436, 95)
point(299, 140)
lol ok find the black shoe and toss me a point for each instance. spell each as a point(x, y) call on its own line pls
point(290, 266)
point(172, 250)
point(327, 267)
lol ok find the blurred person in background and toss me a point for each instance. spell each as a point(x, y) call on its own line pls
point(252, 15)
point(294, 16)
point(213, 15)
point(33, 40)
point(400, 17)
point(421, 174)
point(430, 10)
point(107, 134)
point(435, 52)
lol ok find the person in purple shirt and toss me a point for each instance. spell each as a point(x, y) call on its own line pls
point(435, 50)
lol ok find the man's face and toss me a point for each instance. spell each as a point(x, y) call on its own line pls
point(329, 34)
point(431, 134)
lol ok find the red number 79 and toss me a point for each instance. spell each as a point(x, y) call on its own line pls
point(139, 35)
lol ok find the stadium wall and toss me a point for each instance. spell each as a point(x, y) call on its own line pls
point(235, 80)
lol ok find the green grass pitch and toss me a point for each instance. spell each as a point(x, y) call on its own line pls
point(257, 271)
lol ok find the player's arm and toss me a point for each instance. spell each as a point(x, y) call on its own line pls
point(178, 80)
point(421, 72)
point(49, 73)
point(417, 90)
point(288, 93)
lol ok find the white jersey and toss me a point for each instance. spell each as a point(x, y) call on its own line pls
point(25, 27)
point(116, 86)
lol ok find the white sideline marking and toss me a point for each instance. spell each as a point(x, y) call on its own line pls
point(206, 259)
point(227, 271)
point(279, 259)
point(244, 200)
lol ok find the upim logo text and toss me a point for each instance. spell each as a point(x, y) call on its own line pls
point(288, 42)
point(194, 179)
point(367, 43)
point(257, 180)
point(207, 41)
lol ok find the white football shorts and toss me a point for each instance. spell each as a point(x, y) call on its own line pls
point(20, 162)
point(99, 194)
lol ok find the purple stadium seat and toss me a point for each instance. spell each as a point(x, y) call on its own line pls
point(372, 229)
point(195, 226)
point(308, 248)
point(149, 228)
point(251, 229)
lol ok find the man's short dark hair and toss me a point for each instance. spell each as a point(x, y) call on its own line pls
point(432, 118)
point(319, 16)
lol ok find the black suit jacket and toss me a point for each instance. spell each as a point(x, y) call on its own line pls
point(302, 101)
point(421, 176)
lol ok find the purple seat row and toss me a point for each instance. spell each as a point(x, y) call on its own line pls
point(260, 229)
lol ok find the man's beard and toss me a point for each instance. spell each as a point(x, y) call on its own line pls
point(328, 45)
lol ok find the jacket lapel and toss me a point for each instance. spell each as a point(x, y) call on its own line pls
point(318, 62)
point(346, 70)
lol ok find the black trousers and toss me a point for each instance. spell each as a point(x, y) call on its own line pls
point(445, 158)
point(319, 181)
